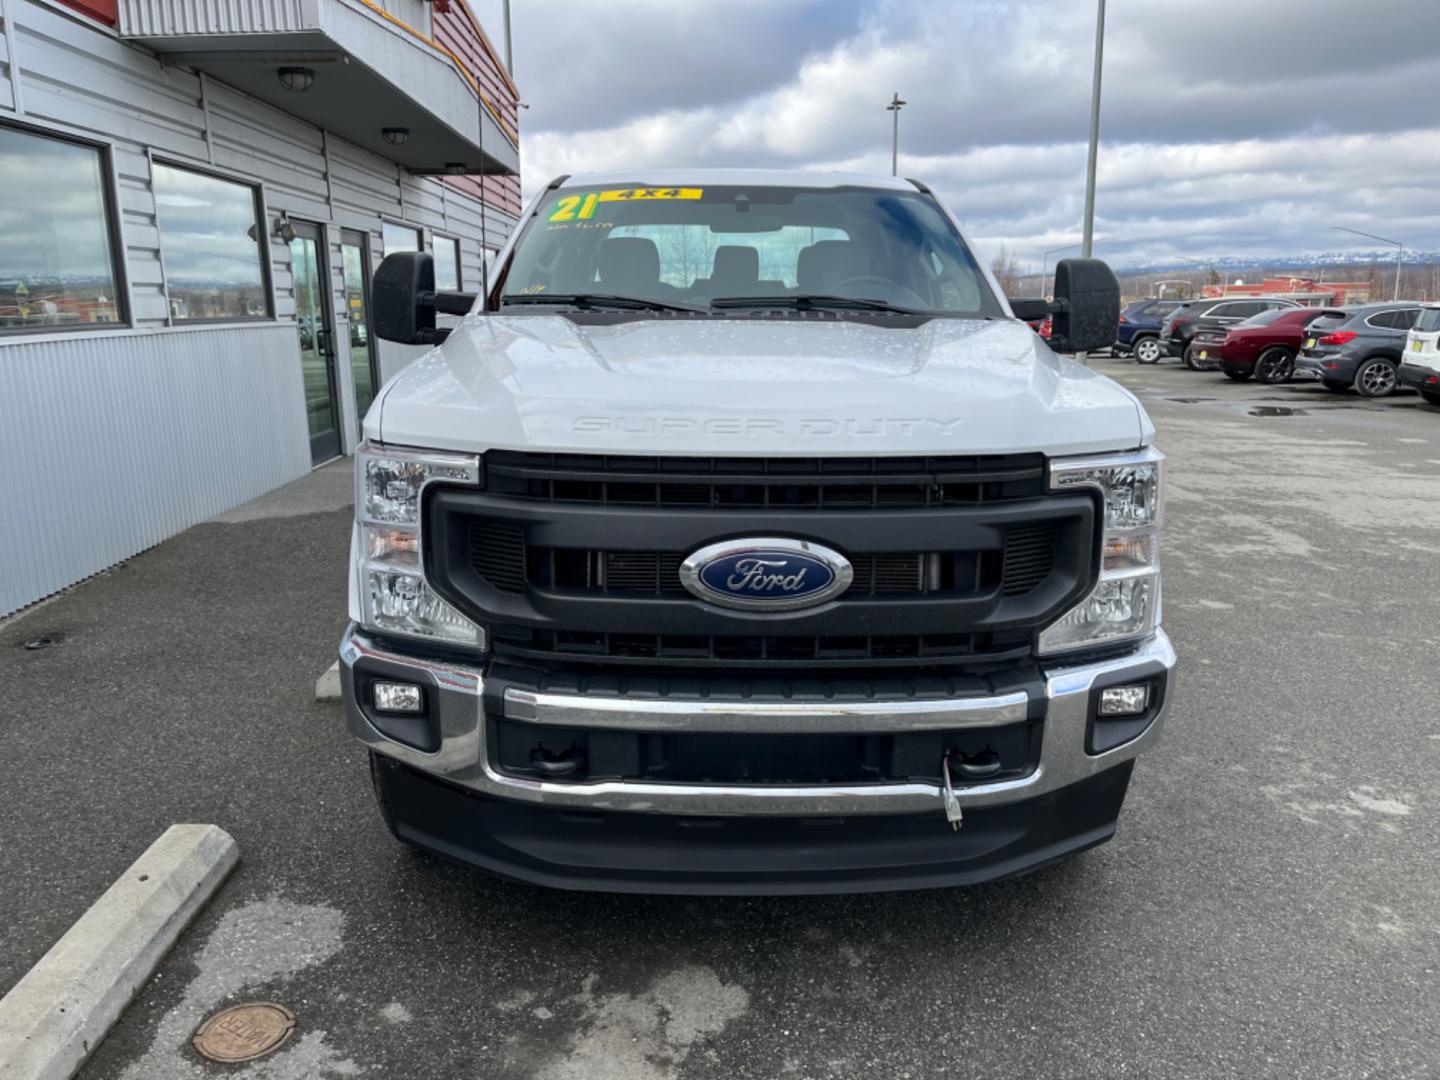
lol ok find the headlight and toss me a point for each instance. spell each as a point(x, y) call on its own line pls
point(394, 598)
point(1125, 603)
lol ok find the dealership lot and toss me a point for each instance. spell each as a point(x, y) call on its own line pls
point(1266, 909)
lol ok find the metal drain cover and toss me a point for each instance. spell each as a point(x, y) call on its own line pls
point(243, 1032)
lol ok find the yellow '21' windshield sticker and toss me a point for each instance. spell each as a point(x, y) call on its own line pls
point(582, 207)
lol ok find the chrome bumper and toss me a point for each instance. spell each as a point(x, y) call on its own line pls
point(462, 758)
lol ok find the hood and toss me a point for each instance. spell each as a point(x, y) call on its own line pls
point(753, 386)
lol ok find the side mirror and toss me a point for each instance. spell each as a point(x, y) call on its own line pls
point(1087, 306)
point(405, 301)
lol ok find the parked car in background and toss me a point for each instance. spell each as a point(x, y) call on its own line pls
point(1139, 332)
point(1420, 368)
point(1263, 346)
point(1359, 347)
point(1211, 317)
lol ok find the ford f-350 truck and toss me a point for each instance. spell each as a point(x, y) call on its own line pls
point(740, 537)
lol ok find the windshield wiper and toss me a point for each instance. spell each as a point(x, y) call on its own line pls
point(811, 302)
point(591, 301)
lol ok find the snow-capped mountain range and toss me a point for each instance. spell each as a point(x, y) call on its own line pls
point(1308, 262)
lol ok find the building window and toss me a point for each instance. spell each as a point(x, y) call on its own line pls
point(447, 264)
point(210, 241)
point(57, 259)
point(399, 238)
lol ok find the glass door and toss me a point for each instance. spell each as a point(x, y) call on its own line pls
point(355, 257)
point(310, 271)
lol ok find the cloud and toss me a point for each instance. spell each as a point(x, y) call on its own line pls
point(1232, 127)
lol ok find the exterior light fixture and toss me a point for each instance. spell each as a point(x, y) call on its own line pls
point(397, 697)
point(1125, 700)
point(454, 168)
point(283, 229)
point(396, 136)
point(297, 79)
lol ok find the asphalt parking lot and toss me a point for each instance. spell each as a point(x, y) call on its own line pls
point(1267, 908)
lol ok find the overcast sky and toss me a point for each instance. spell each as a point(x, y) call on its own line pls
point(1228, 127)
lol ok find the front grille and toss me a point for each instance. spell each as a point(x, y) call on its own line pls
point(1029, 558)
point(761, 650)
point(573, 561)
point(499, 555)
point(764, 483)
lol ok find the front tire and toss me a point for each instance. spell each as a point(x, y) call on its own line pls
point(1147, 350)
point(1376, 378)
point(1275, 365)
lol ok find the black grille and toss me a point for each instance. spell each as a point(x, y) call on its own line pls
point(642, 572)
point(765, 483)
point(1029, 558)
point(497, 552)
point(573, 562)
point(757, 650)
point(499, 555)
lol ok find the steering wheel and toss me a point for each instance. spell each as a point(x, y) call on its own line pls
point(906, 297)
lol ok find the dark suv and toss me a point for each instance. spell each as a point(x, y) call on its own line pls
point(1359, 347)
point(1214, 313)
point(1139, 330)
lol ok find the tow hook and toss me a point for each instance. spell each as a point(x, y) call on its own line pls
point(557, 765)
point(952, 804)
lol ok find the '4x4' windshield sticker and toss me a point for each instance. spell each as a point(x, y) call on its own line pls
point(582, 207)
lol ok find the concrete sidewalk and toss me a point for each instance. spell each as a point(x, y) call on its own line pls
point(180, 689)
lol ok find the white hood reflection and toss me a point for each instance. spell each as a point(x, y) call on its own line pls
point(767, 385)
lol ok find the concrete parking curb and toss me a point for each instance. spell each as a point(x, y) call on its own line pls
point(327, 687)
point(60, 1010)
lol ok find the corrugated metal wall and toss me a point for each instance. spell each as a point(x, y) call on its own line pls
point(110, 443)
point(241, 383)
point(237, 17)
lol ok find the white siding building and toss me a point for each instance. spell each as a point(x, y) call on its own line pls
point(193, 195)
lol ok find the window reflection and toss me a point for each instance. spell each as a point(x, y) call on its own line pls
point(56, 263)
point(353, 257)
point(210, 241)
point(447, 264)
point(399, 238)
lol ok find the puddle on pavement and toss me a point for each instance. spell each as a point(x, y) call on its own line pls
point(1189, 400)
point(1276, 410)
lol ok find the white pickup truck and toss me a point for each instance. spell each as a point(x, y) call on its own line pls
point(741, 538)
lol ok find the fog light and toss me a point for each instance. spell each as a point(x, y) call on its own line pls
point(397, 697)
point(1124, 700)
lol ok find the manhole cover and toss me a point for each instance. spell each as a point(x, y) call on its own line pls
point(242, 1032)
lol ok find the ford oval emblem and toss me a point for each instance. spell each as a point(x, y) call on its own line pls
point(766, 574)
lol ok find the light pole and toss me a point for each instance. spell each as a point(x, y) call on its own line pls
point(894, 109)
point(1045, 262)
point(505, 22)
point(1094, 132)
point(1399, 252)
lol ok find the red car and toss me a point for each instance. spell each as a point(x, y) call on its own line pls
point(1264, 345)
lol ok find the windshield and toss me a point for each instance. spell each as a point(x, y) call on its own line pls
point(1265, 318)
point(771, 246)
